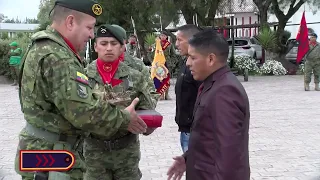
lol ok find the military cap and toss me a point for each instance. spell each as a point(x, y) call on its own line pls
point(314, 35)
point(14, 44)
point(108, 30)
point(123, 31)
point(90, 7)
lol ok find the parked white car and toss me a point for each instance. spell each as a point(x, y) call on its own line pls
point(246, 45)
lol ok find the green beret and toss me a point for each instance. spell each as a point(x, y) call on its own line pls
point(123, 31)
point(14, 44)
point(90, 7)
point(314, 35)
point(110, 31)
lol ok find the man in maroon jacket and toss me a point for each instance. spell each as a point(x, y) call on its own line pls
point(218, 145)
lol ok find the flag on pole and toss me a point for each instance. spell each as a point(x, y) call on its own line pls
point(159, 71)
point(302, 38)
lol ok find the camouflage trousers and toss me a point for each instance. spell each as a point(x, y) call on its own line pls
point(28, 142)
point(309, 67)
point(120, 164)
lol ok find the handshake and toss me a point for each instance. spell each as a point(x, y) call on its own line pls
point(144, 121)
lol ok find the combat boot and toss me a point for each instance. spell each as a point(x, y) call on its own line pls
point(317, 87)
point(306, 87)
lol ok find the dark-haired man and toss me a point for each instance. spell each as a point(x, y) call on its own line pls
point(186, 87)
point(218, 148)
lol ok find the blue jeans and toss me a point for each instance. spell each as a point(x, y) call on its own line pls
point(184, 140)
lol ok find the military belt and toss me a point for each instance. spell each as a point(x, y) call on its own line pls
point(51, 136)
point(117, 144)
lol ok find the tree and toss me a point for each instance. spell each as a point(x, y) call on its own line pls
point(263, 7)
point(43, 16)
point(2, 17)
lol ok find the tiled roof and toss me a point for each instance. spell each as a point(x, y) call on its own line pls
point(17, 27)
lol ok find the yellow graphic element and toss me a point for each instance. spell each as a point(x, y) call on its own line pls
point(97, 9)
point(82, 76)
point(158, 68)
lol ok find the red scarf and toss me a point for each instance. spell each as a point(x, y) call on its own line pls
point(132, 42)
point(121, 57)
point(313, 43)
point(165, 44)
point(71, 47)
point(107, 70)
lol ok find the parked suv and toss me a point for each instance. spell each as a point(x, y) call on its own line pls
point(246, 45)
point(291, 56)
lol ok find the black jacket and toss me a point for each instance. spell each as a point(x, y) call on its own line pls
point(186, 90)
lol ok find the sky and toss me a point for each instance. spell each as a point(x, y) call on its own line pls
point(20, 8)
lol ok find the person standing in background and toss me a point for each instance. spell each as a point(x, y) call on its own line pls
point(312, 63)
point(186, 87)
point(14, 61)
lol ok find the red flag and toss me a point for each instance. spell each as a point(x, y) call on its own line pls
point(302, 38)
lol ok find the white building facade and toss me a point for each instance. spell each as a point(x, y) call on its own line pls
point(12, 29)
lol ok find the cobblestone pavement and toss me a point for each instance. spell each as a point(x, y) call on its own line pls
point(284, 132)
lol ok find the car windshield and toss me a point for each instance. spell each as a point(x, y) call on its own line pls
point(238, 42)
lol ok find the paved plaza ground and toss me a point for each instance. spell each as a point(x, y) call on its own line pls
point(284, 132)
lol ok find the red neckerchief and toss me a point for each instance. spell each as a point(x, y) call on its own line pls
point(313, 43)
point(107, 70)
point(121, 57)
point(71, 47)
point(132, 42)
point(165, 44)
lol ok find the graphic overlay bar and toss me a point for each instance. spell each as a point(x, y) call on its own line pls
point(46, 160)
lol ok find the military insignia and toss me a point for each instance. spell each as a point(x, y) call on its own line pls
point(82, 91)
point(107, 67)
point(82, 78)
point(97, 9)
point(161, 71)
point(103, 30)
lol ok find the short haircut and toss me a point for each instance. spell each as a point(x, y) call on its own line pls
point(189, 30)
point(210, 41)
point(60, 13)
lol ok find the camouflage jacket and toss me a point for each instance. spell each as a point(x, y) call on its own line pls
point(55, 93)
point(133, 85)
point(132, 49)
point(138, 65)
point(314, 53)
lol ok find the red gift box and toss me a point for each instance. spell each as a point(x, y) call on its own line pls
point(152, 118)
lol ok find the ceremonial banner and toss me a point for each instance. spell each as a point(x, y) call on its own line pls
point(302, 38)
point(159, 71)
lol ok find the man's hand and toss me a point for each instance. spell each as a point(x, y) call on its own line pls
point(136, 125)
point(149, 131)
point(177, 169)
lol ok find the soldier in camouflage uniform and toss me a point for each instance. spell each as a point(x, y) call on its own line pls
point(117, 156)
point(57, 101)
point(132, 46)
point(312, 63)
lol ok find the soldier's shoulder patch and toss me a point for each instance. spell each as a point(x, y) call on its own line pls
point(82, 91)
point(82, 78)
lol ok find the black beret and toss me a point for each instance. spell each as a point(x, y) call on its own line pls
point(314, 35)
point(90, 7)
point(110, 31)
